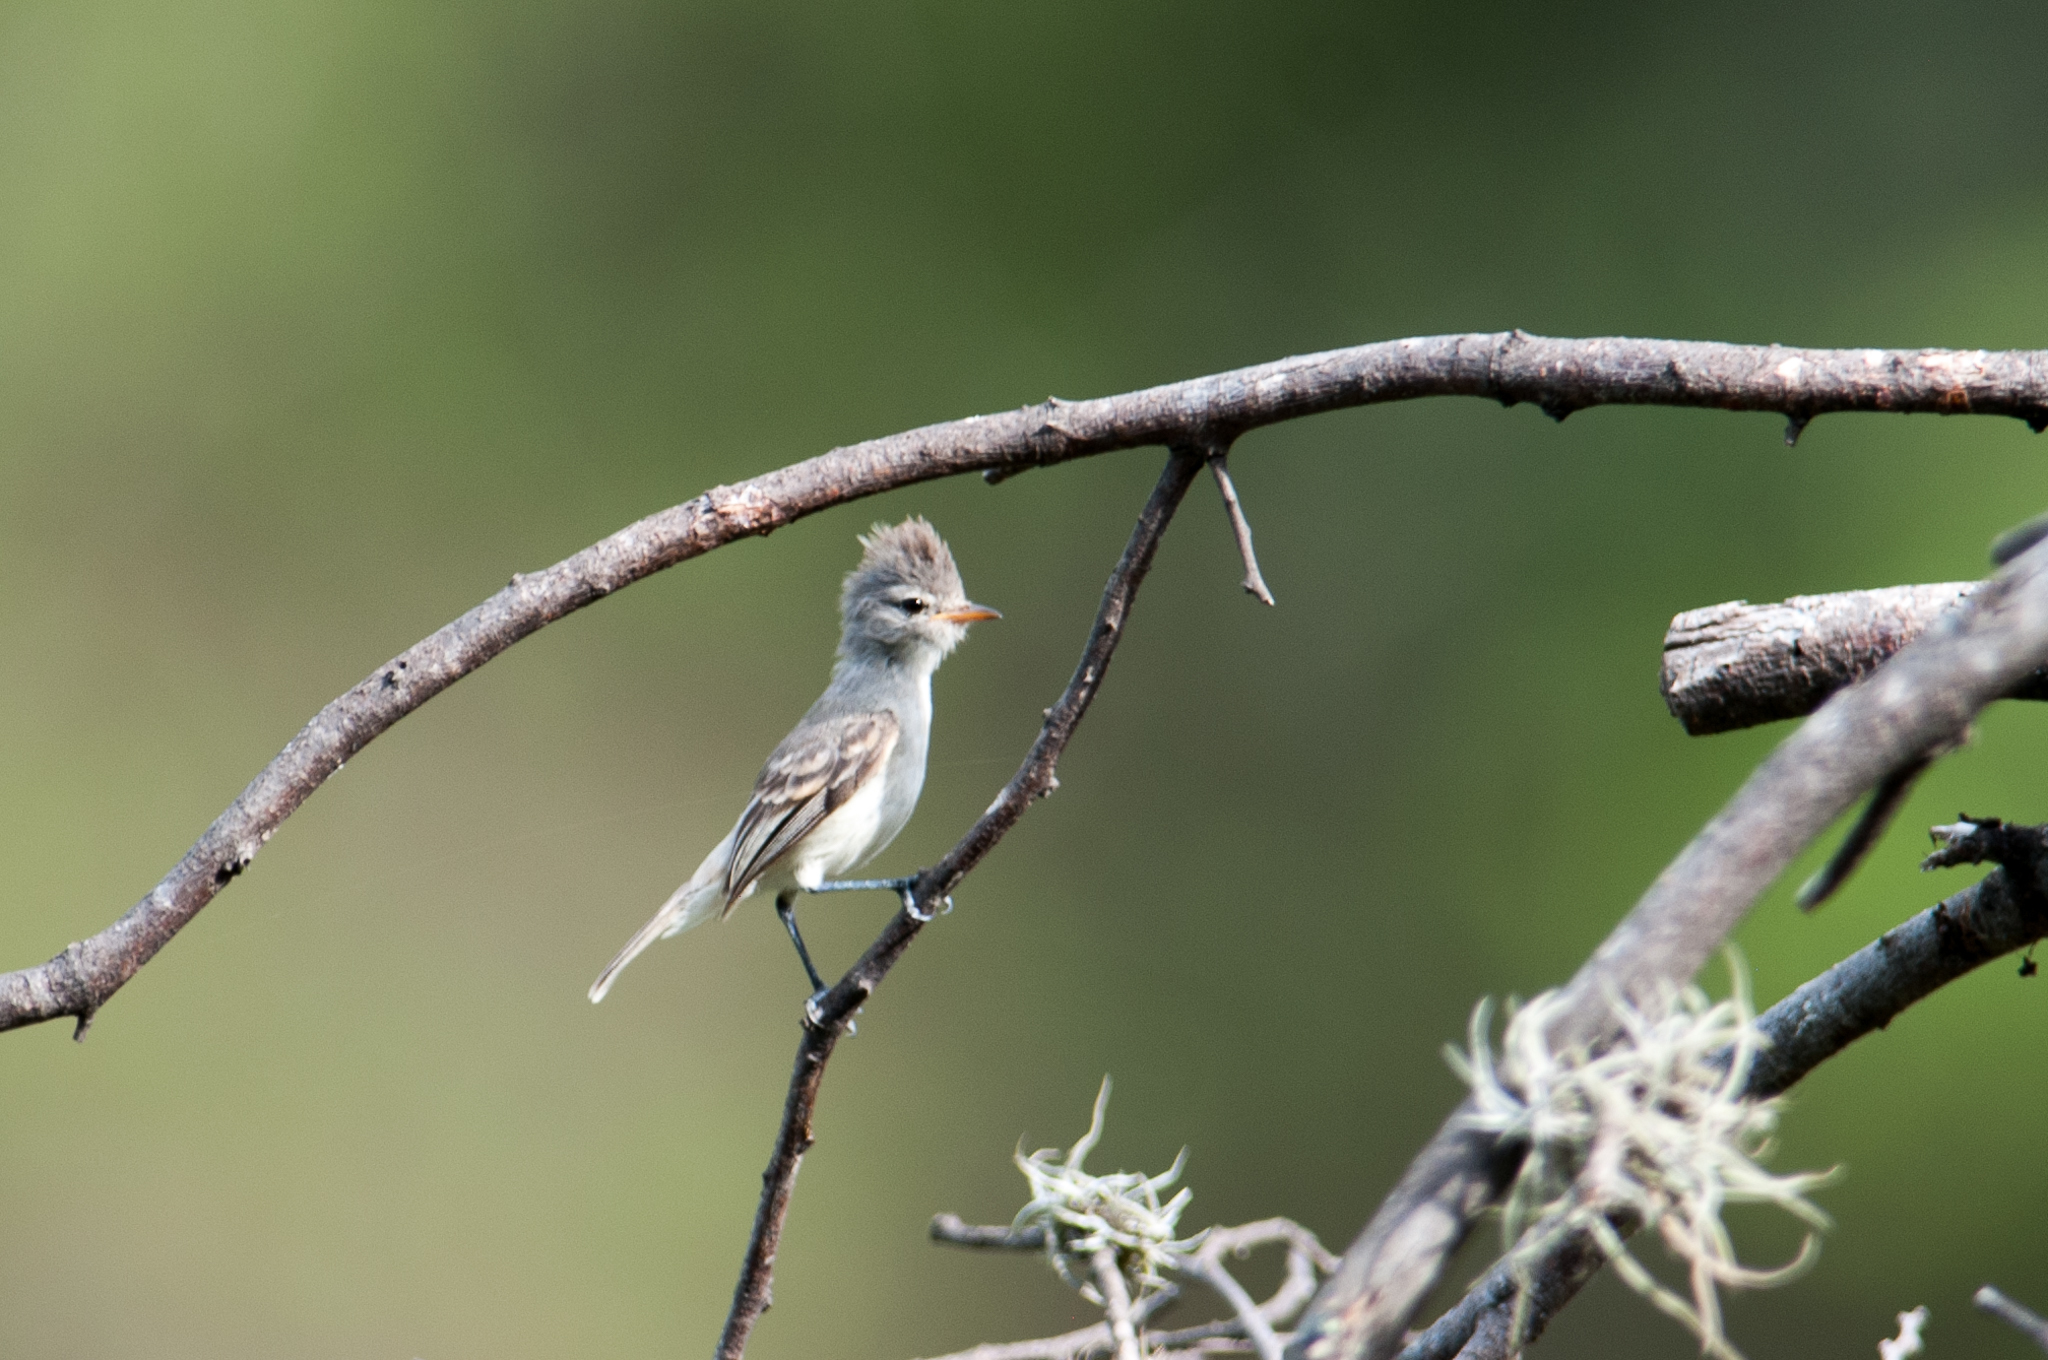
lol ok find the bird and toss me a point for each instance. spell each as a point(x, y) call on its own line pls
point(847, 777)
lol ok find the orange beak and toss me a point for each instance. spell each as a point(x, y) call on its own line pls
point(973, 613)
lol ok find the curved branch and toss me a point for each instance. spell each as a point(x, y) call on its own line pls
point(827, 1017)
point(1917, 704)
point(1865, 992)
point(1510, 367)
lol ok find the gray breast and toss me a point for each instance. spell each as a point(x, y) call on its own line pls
point(903, 776)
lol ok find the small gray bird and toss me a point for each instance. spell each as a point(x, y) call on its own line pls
point(839, 787)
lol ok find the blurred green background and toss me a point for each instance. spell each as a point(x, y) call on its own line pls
point(318, 320)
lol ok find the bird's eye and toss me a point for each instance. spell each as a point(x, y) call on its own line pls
point(913, 605)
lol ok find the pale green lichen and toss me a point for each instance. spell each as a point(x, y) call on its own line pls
point(1082, 1213)
point(1653, 1124)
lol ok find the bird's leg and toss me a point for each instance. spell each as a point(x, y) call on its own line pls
point(785, 907)
point(894, 885)
point(905, 888)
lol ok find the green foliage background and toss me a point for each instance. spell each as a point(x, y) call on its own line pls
point(318, 320)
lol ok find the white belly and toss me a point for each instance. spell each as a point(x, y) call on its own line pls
point(849, 835)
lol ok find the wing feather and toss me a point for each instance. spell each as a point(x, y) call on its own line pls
point(815, 770)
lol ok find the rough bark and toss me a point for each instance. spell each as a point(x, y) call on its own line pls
point(1736, 665)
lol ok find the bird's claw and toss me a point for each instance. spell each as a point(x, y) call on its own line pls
point(814, 1012)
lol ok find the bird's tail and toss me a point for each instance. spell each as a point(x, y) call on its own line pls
point(692, 904)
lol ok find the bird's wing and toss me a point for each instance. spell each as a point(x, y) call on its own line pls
point(818, 767)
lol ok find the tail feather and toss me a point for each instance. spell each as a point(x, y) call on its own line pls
point(692, 904)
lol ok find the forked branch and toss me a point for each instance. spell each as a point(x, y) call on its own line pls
point(1034, 780)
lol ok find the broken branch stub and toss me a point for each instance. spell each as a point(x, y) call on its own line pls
point(1738, 664)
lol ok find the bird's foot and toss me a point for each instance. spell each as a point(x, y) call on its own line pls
point(814, 1012)
point(909, 894)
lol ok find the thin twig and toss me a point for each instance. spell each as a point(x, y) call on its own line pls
point(1075, 1345)
point(1920, 701)
point(1559, 375)
point(2005, 911)
point(1266, 1232)
point(1257, 1330)
point(1116, 1302)
point(1869, 828)
point(951, 1228)
point(826, 1020)
point(2019, 1317)
point(1240, 527)
point(1088, 1341)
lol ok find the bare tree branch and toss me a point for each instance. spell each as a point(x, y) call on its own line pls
point(2005, 911)
point(1240, 527)
point(1116, 1302)
point(1739, 664)
point(827, 1018)
point(2019, 1317)
point(1885, 802)
point(956, 1231)
point(1920, 701)
point(1482, 1324)
point(1074, 1345)
point(1207, 1268)
point(1082, 1343)
point(1086, 1342)
point(1299, 1241)
point(1559, 375)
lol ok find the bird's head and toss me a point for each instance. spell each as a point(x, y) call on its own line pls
point(905, 600)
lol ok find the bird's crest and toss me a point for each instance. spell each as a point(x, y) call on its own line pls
point(910, 553)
